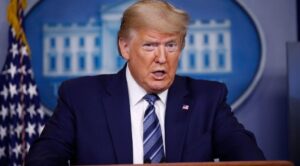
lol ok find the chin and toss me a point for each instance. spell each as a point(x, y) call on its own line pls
point(155, 86)
point(158, 89)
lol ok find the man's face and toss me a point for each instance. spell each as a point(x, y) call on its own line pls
point(152, 58)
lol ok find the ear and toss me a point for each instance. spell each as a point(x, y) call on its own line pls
point(124, 48)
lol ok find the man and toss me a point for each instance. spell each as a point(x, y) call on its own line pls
point(144, 113)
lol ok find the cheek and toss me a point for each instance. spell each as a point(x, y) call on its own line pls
point(143, 58)
point(143, 65)
point(173, 63)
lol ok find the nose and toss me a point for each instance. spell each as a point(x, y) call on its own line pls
point(161, 55)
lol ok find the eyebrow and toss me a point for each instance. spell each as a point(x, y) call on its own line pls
point(156, 41)
point(171, 41)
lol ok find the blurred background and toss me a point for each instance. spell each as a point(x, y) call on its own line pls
point(251, 45)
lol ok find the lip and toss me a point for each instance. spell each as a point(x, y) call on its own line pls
point(159, 74)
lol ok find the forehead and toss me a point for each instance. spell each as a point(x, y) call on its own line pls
point(153, 35)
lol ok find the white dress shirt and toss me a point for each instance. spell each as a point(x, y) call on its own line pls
point(138, 107)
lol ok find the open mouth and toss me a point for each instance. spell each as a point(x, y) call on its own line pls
point(160, 74)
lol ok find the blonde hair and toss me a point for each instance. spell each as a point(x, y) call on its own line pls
point(158, 15)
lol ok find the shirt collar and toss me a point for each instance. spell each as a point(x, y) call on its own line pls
point(136, 92)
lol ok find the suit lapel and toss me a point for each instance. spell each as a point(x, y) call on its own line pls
point(116, 103)
point(176, 120)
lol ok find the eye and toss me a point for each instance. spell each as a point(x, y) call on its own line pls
point(171, 47)
point(149, 46)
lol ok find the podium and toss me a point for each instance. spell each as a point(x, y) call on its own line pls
point(225, 163)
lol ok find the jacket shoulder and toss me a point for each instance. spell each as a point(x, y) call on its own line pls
point(85, 84)
point(200, 85)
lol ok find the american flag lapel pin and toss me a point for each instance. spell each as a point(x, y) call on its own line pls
point(185, 107)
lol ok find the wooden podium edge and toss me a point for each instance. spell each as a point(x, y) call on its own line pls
point(223, 163)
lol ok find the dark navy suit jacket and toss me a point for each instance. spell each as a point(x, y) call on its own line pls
point(91, 124)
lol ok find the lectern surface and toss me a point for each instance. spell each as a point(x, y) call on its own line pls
point(233, 163)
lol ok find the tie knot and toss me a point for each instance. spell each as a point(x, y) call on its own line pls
point(151, 98)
